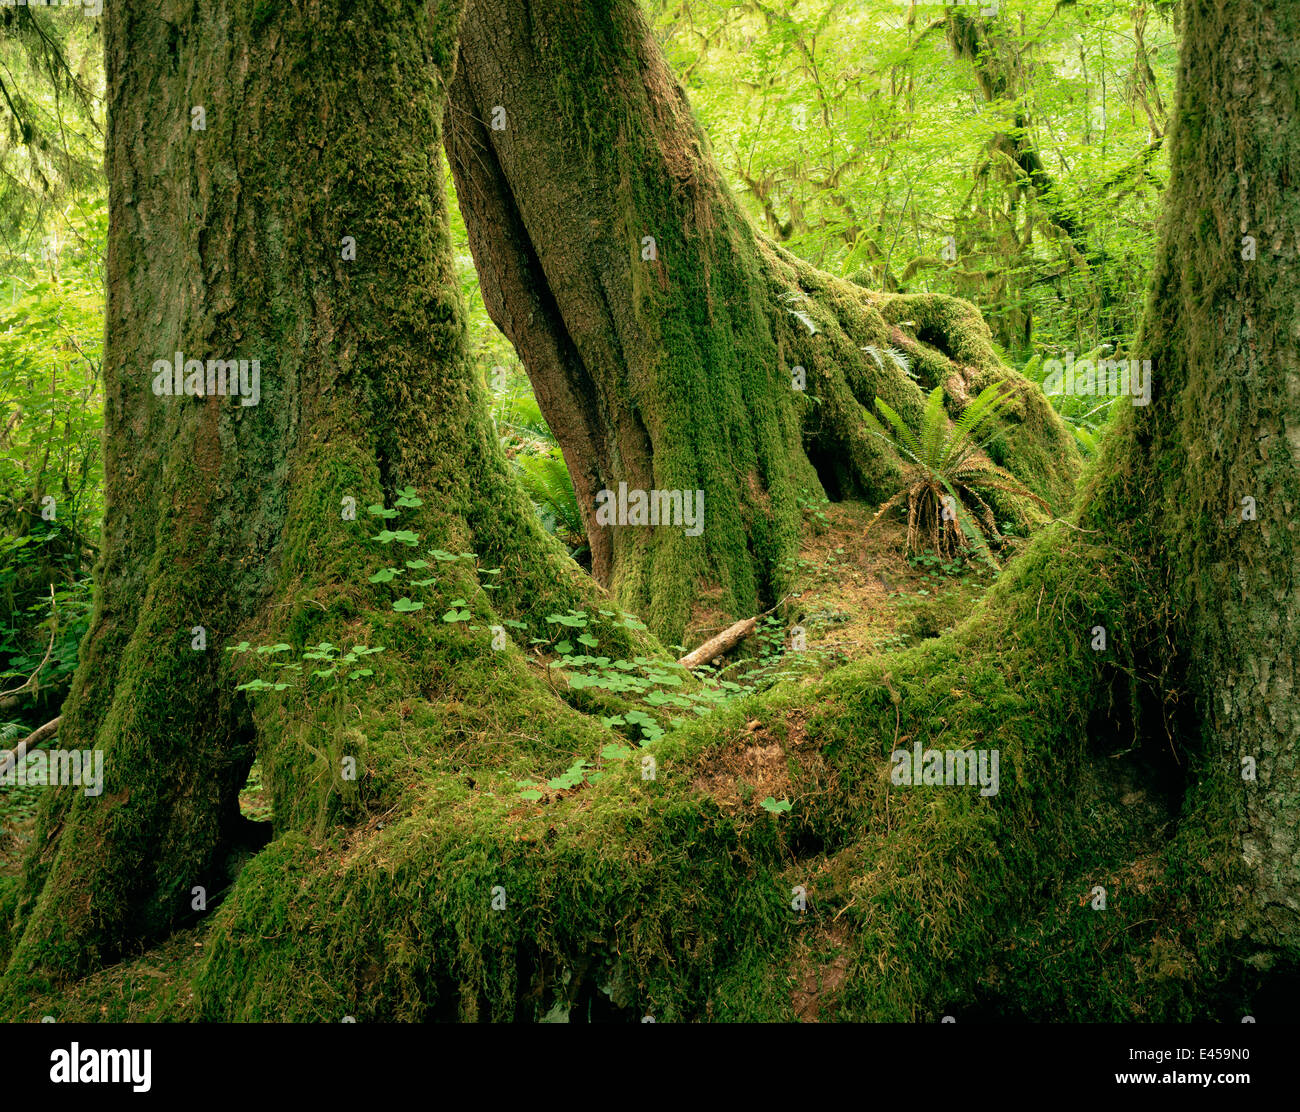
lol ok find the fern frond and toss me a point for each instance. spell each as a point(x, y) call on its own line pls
point(901, 361)
point(903, 439)
point(981, 415)
point(934, 429)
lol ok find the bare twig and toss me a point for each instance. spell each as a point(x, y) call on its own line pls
point(31, 680)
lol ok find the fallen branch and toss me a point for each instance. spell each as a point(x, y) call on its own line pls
point(716, 646)
point(9, 757)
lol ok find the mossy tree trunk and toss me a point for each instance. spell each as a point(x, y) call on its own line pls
point(275, 195)
point(670, 344)
point(1216, 466)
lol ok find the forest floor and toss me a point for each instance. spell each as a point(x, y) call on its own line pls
point(856, 593)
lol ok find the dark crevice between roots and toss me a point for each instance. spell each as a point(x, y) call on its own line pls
point(241, 838)
point(831, 471)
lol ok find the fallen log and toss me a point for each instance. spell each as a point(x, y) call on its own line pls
point(9, 757)
point(716, 646)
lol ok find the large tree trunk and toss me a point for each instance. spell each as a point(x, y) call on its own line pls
point(322, 122)
point(1221, 457)
point(663, 334)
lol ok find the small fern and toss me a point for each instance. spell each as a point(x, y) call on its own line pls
point(898, 358)
point(546, 480)
point(946, 469)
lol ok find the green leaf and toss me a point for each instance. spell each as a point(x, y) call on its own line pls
point(405, 606)
point(770, 804)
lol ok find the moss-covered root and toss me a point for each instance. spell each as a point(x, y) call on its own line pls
point(470, 903)
point(944, 342)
